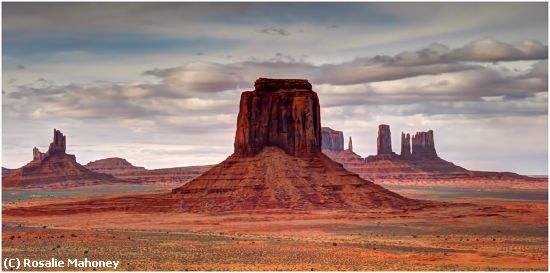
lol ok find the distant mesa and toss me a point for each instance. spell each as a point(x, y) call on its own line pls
point(419, 164)
point(112, 165)
point(54, 168)
point(122, 169)
point(332, 141)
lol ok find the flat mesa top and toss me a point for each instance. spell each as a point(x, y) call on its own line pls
point(271, 85)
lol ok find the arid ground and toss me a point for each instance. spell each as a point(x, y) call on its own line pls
point(495, 231)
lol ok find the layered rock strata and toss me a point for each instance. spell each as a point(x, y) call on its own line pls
point(280, 113)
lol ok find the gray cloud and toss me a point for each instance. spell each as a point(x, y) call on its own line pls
point(480, 87)
point(490, 50)
point(425, 80)
point(190, 90)
point(199, 77)
point(274, 31)
point(433, 60)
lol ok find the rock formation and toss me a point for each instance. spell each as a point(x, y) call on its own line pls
point(6, 171)
point(405, 146)
point(281, 113)
point(37, 155)
point(423, 146)
point(383, 141)
point(112, 165)
point(383, 145)
point(348, 157)
point(423, 167)
point(266, 171)
point(54, 169)
point(332, 141)
point(58, 145)
point(277, 162)
point(124, 170)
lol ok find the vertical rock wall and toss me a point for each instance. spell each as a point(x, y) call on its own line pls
point(281, 113)
point(383, 141)
point(423, 146)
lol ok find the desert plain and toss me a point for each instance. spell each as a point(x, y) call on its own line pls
point(483, 230)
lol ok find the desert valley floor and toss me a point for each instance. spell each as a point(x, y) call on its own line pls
point(494, 230)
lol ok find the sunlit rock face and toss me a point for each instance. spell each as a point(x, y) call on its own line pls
point(280, 113)
point(278, 164)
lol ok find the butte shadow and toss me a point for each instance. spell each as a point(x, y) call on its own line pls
point(277, 164)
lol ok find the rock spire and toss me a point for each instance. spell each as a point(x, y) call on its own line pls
point(405, 146)
point(383, 141)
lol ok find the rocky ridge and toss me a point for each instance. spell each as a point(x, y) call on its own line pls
point(423, 167)
point(54, 169)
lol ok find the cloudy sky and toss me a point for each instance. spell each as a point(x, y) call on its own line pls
point(159, 84)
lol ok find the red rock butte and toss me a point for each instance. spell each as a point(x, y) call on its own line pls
point(280, 113)
point(54, 168)
point(278, 164)
point(419, 164)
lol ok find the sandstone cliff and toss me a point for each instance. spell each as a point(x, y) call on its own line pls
point(332, 141)
point(423, 146)
point(281, 113)
point(405, 146)
point(277, 162)
point(383, 141)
